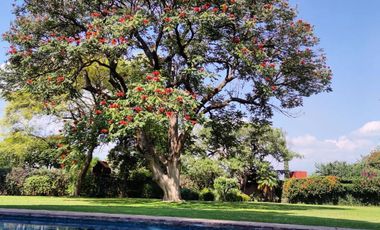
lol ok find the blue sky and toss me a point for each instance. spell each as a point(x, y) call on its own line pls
point(344, 124)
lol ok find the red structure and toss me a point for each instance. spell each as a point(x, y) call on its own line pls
point(298, 174)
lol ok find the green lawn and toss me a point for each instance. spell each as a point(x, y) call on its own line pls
point(323, 215)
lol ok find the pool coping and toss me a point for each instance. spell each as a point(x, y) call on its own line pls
point(158, 219)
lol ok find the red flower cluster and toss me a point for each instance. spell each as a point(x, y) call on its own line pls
point(102, 40)
point(197, 9)
point(95, 14)
point(180, 99)
point(120, 94)
point(156, 73)
point(268, 6)
point(236, 40)
point(169, 90)
point(12, 50)
point(139, 89)
point(144, 97)
point(224, 8)
point(148, 77)
point(182, 15)
point(114, 106)
point(167, 19)
point(122, 122)
point(129, 118)
point(161, 109)
point(137, 109)
point(103, 102)
point(126, 17)
point(206, 6)
point(60, 79)
point(146, 21)
point(98, 112)
point(149, 108)
point(104, 131)
point(245, 50)
point(193, 122)
point(122, 40)
point(159, 91)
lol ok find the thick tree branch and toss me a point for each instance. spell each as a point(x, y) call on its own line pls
point(153, 57)
point(229, 77)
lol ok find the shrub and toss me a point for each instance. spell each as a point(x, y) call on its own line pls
point(224, 185)
point(206, 195)
point(15, 180)
point(236, 196)
point(100, 186)
point(314, 190)
point(367, 190)
point(38, 186)
point(59, 180)
point(244, 197)
point(189, 194)
point(3, 175)
point(141, 185)
point(151, 190)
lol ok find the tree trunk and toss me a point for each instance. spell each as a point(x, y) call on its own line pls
point(83, 172)
point(169, 182)
point(165, 168)
point(286, 169)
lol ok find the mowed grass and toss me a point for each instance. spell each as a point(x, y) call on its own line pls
point(319, 215)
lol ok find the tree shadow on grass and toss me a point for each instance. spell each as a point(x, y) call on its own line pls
point(211, 213)
point(213, 205)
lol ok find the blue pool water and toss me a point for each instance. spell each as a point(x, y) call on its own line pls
point(29, 223)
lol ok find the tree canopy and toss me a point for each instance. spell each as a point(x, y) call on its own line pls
point(163, 66)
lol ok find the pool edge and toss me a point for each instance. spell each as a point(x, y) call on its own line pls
point(158, 219)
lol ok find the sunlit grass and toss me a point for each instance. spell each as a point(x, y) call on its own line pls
point(322, 215)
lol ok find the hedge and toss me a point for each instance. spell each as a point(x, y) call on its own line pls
point(329, 190)
point(37, 186)
point(313, 190)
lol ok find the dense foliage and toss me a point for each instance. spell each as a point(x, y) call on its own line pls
point(152, 70)
point(317, 190)
point(329, 190)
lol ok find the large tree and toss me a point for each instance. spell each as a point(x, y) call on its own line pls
point(189, 59)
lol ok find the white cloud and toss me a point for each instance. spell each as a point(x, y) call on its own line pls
point(348, 144)
point(350, 147)
point(303, 140)
point(370, 128)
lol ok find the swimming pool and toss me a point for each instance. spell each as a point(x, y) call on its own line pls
point(43, 223)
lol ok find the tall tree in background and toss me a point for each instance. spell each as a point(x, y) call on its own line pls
point(23, 144)
point(191, 59)
point(247, 149)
